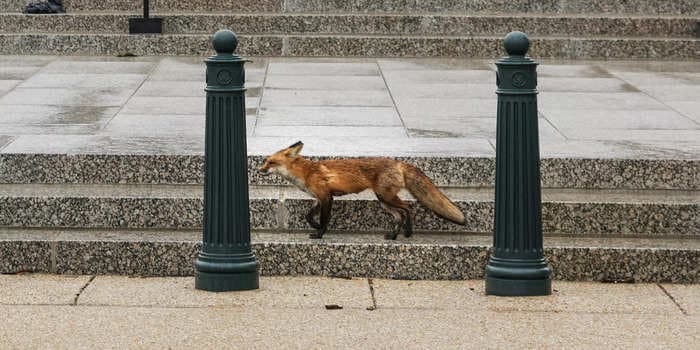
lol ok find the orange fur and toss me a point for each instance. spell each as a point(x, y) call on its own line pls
point(328, 178)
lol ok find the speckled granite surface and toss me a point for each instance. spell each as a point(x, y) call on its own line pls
point(120, 44)
point(649, 213)
point(424, 257)
point(445, 171)
point(439, 6)
point(497, 6)
point(174, 5)
point(430, 25)
point(348, 46)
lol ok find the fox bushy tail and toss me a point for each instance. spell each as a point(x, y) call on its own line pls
point(429, 195)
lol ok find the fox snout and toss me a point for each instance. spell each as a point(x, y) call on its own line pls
point(264, 170)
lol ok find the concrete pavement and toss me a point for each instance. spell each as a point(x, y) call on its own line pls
point(75, 312)
point(155, 105)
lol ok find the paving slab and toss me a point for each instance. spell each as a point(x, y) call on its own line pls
point(569, 69)
point(325, 82)
point(599, 100)
point(274, 292)
point(277, 98)
point(103, 144)
point(679, 92)
point(7, 85)
point(682, 135)
point(651, 79)
point(329, 115)
point(331, 131)
point(439, 90)
point(433, 76)
point(55, 114)
point(687, 108)
point(627, 149)
point(84, 80)
point(686, 295)
point(11, 72)
point(159, 88)
point(89, 327)
point(428, 108)
point(576, 84)
point(40, 289)
point(4, 140)
point(103, 66)
point(592, 119)
point(106, 97)
point(600, 105)
point(173, 105)
point(571, 297)
point(484, 128)
point(278, 67)
point(432, 64)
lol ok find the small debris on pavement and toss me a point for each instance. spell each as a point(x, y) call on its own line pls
point(333, 307)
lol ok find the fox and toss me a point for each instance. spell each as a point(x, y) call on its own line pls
point(327, 179)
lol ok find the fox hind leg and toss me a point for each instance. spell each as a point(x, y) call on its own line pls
point(401, 211)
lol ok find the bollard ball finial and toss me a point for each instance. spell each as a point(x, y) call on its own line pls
point(516, 43)
point(224, 41)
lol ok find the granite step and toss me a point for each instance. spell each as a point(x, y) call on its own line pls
point(344, 24)
point(150, 163)
point(576, 212)
point(172, 253)
point(383, 6)
point(668, 48)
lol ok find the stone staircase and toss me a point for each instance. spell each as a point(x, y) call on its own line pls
point(141, 214)
point(438, 28)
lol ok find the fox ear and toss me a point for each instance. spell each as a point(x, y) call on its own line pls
point(294, 149)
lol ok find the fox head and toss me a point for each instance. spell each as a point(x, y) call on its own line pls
point(278, 161)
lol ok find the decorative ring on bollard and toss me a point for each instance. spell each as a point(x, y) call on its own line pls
point(226, 261)
point(517, 266)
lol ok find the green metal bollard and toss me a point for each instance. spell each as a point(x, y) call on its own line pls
point(517, 266)
point(226, 261)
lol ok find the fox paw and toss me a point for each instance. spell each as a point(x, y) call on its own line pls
point(391, 236)
point(315, 236)
point(314, 224)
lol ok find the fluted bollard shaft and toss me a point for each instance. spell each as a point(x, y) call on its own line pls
point(517, 266)
point(226, 261)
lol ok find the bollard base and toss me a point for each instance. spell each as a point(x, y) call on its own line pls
point(225, 282)
point(518, 277)
point(508, 287)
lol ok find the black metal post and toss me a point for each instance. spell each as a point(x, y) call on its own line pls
point(226, 261)
point(146, 5)
point(517, 266)
point(147, 24)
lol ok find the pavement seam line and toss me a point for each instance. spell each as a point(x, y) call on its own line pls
point(133, 93)
point(75, 300)
point(370, 282)
point(655, 98)
point(393, 100)
point(260, 99)
point(683, 311)
point(11, 140)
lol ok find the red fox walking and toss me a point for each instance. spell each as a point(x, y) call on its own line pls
point(328, 178)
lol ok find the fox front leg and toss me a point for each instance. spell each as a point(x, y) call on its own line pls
point(310, 216)
point(325, 204)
